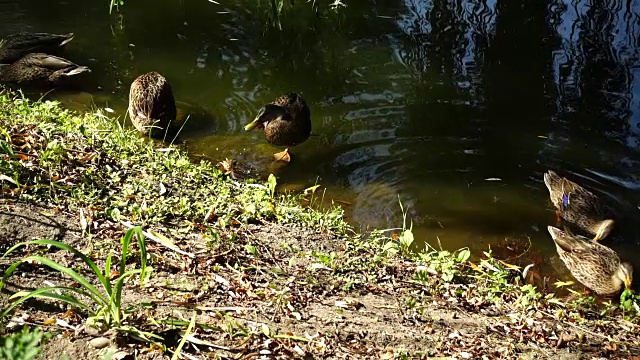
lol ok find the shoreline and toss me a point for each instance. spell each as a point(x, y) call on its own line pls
point(262, 273)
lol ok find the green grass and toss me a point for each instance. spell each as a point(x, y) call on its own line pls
point(91, 162)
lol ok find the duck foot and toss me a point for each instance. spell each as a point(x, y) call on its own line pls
point(283, 155)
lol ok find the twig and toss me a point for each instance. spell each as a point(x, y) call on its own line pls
point(151, 237)
point(214, 308)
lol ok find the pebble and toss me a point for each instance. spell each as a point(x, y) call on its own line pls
point(100, 342)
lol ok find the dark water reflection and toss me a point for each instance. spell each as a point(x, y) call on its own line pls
point(418, 98)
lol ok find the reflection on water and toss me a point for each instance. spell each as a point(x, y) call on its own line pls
point(456, 106)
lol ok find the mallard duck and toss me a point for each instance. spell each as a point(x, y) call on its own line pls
point(579, 206)
point(286, 122)
point(40, 69)
point(596, 266)
point(152, 108)
point(15, 46)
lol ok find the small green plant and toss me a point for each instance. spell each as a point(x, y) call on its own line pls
point(24, 345)
point(405, 239)
point(251, 250)
point(411, 302)
point(529, 296)
point(105, 307)
point(272, 182)
point(326, 259)
point(629, 302)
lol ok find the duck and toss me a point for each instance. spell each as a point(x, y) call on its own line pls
point(152, 107)
point(580, 206)
point(594, 265)
point(15, 46)
point(41, 69)
point(286, 121)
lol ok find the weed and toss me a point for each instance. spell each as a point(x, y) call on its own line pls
point(629, 302)
point(105, 307)
point(23, 345)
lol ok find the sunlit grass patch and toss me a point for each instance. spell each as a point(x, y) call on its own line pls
point(90, 161)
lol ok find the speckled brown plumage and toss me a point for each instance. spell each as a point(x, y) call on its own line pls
point(579, 206)
point(40, 69)
point(15, 46)
point(286, 122)
point(594, 265)
point(152, 107)
point(295, 127)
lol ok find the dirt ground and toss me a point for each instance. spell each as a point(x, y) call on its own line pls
point(278, 303)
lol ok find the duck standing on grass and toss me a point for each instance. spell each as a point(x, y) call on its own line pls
point(286, 121)
point(40, 69)
point(15, 46)
point(579, 206)
point(152, 107)
point(596, 266)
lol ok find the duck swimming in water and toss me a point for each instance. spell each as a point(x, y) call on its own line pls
point(286, 121)
point(40, 69)
point(580, 206)
point(15, 46)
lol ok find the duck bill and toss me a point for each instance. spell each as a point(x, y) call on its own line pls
point(627, 282)
point(604, 229)
point(252, 125)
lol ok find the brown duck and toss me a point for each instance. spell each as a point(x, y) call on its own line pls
point(152, 107)
point(41, 69)
point(286, 122)
point(580, 206)
point(596, 266)
point(15, 46)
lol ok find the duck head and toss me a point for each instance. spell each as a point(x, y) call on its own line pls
point(265, 115)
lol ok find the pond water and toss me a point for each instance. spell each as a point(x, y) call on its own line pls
point(458, 107)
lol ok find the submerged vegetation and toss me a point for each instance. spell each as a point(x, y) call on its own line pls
point(233, 267)
point(274, 8)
